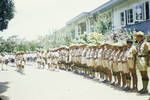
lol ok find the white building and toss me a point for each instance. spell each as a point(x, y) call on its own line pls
point(80, 24)
point(132, 14)
point(128, 14)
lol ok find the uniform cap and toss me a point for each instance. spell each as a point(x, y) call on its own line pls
point(139, 33)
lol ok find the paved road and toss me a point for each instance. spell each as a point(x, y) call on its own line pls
point(38, 84)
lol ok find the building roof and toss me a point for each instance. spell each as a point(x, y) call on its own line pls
point(101, 8)
point(83, 14)
point(61, 29)
point(106, 6)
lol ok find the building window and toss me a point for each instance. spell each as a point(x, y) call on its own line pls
point(92, 25)
point(147, 10)
point(122, 18)
point(130, 16)
point(139, 9)
point(73, 34)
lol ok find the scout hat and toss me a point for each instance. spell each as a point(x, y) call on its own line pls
point(22, 52)
point(83, 45)
point(140, 33)
point(18, 53)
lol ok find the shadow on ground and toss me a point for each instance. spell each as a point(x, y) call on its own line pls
point(3, 88)
point(21, 72)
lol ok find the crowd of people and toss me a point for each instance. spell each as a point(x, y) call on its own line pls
point(116, 63)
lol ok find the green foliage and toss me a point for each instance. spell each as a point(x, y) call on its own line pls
point(103, 23)
point(54, 40)
point(8, 45)
point(21, 47)
point(95, 37)
point(6, 13)
point(83, 38)
point(13, 44)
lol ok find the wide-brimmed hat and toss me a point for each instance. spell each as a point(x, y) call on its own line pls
point(72, 46)
point(140, 33)
point(18, 52)
point(83, 45)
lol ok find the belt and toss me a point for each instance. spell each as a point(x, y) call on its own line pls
point(124, 61)
point(141, 55)
point(95, 58)
point(130, 58)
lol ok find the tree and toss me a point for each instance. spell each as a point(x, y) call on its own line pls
point(6, 13)
point(32, 45)
point(2, 42)
point(103, 23)
point(14, 44)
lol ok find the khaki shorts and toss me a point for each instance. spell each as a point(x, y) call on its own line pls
point(120, 66)
point(88, 62)
point(104, 63)
point(97, 61)
point(83, 61)
point(141, 64)
point(72, 59)
point(115, 67)
point(110, 65)
point(42, 61)
point(125, 68)
point(23, 62)
point(79, 60)
point(100, 61)
point(130, 63)
point(76, 59)
point(92, 62)
point(107, 63)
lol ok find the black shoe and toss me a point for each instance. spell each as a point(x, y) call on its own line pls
point(143, 91)
point(134, 90)
point(117, 85)
point(113, 84)
point(127, 89)
point(122, 87)
point(69, 70)
point(108, 82)
point(105, 81)
point(140, 90)
point(92, 77)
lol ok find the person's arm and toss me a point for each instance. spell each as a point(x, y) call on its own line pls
point(147, 53)
point(134, 52)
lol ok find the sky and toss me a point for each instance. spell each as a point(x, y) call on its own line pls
point(34, 18)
